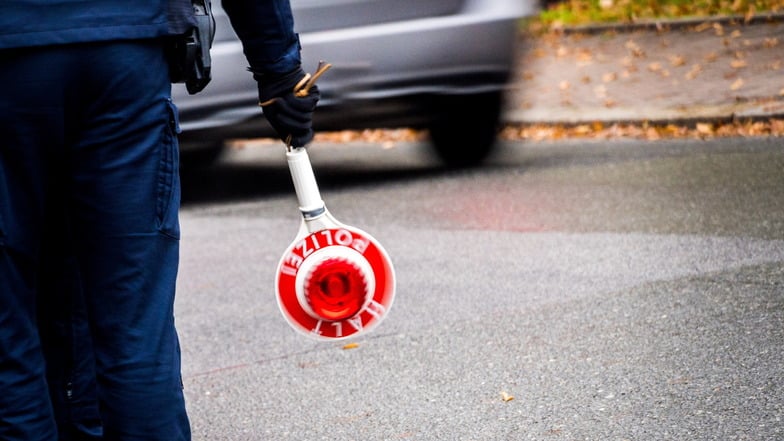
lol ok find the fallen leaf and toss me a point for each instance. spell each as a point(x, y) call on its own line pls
point(505, 397)
point(719, 29)
point(757, 128)
point(564, 85)
point(582, 129)
point(711, 56)
point(609, 77)
point(704, 128)
point(654, 67)
point(749, 14)
point(584, 57)
point(350, 346)
point(680, 380)
point(635, 49)
point(673, 130)
point(735, 34)
point(737, 64)
point(781, 92)
point(770, 42)
point(693, 72)
point(737, 84)
point(677, 60)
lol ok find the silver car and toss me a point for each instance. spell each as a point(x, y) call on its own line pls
point(440, 65)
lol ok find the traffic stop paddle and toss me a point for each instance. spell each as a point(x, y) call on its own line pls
point(334, 281)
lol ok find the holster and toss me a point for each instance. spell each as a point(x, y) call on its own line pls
point(189, 53)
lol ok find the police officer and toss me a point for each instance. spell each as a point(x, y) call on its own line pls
point(89, 196)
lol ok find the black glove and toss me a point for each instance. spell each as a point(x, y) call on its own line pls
point(290, 114)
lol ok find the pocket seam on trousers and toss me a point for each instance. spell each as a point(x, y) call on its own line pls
point(168, 189)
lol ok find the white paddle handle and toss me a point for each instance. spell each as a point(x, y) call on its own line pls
point(310, 203)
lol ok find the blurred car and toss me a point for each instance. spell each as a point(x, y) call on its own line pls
point(440, 65)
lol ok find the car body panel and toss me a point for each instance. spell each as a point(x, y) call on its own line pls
point(380, 50)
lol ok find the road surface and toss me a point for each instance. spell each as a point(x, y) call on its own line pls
point(577, 290)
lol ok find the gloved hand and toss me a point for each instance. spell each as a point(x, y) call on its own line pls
point(289, 113)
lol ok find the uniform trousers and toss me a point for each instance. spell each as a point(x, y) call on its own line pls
point(89, 244)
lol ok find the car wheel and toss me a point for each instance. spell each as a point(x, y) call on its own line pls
point(464, 131)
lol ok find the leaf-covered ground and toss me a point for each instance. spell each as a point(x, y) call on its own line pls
point(646, 131)
point(698, 76)
point(553, 132)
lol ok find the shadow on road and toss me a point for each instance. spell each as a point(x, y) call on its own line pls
point(264, 175)
point(226, 182)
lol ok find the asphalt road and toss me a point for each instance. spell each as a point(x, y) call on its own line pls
point(581, 290)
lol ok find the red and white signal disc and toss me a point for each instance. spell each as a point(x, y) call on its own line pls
point(335, 283)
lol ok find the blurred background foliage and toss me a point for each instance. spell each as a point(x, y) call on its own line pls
point(576, 12)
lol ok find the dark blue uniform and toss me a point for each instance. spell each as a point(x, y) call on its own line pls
point(89, 195)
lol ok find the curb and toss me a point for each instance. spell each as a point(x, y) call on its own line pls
point(719, 114)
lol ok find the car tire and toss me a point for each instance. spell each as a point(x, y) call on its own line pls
point(464, 131)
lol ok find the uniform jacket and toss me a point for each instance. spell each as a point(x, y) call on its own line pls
point(264, 26)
